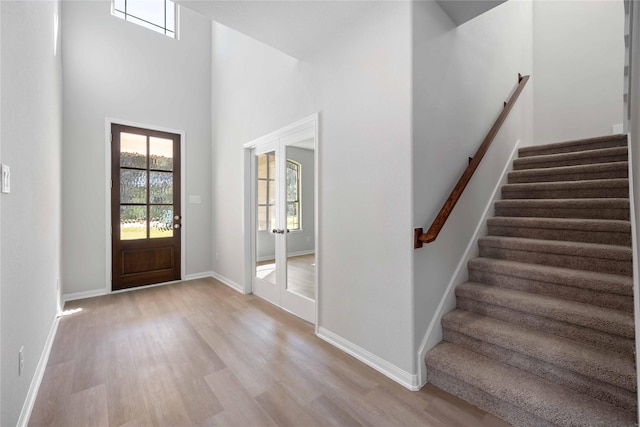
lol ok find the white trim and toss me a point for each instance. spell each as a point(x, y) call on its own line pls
point(83, 295)
point(195, 276)
point(390, 370)
point(108, 121)
point(230, 283)
point(309, 123)
point(634, 250)
point(25, 414)
point(433, 335)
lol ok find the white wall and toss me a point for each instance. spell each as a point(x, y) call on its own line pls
point(117, 69)
point(360, 84)
point(462, 75)
point(30, 229)
point(255, 90)
point(579, 57)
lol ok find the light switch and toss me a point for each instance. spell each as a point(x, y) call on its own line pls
point(6, 179)
point(195, 199)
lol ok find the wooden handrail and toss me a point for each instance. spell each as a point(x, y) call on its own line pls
point(418, 236)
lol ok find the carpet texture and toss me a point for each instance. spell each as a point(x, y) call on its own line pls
point(543, 333)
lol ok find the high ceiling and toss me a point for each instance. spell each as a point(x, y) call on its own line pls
point(297, 28)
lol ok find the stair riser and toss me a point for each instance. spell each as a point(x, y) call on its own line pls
point(620, 214)
point(559, 260)
point(567, 193)
point(522, 153)
point(604, 237)
point(590, 386)
point(531, 163)
point(604, 339)
point(600, 299)
point(515, 415)
point(515, 178)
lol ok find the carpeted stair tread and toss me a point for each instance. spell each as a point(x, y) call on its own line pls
point(604, 155)
point(589, 361)
point(606, 320)
point(579, 279)
point(607, 141)
point(603, 208)
point(613, 232)
point(578, 255)
point(597, 188)
point(610, 170)
point(517, 396)
point(544, 330)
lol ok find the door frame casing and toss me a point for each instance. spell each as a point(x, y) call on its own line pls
point(183, 206)
point(309, 125)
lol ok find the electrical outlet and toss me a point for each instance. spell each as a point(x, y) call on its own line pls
point(57, 284)
point(20, 360)
point(217, 256)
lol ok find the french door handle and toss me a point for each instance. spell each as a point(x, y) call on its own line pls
point(277, 231)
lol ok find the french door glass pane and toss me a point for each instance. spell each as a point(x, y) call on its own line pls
point(133, 222)
point(161, 154)
point(265, 239)
point(133, 186)
point(161, 187)
point(133, 150)
point(161, 221)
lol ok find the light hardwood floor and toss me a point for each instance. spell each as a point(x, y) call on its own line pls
point(200, 354)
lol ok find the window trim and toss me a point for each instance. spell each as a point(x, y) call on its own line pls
point(159, 29)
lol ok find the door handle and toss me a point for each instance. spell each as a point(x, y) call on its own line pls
point(277, 231)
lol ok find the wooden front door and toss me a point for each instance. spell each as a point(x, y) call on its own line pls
point(145, 206)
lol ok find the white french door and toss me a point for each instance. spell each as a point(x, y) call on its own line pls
point(283, 238)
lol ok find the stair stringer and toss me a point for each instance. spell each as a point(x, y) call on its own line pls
point(434, 332)
point(636, 261)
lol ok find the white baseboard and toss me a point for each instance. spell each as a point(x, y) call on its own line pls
point(195, 276)
point(230, 283)
point(25, 414)
point(433, 334)
point(402, 377)
point(82, 295)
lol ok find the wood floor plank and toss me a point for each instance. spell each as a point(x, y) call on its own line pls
point(198, 353)
point(88, 408)
point(284, 409)
point(51, 406)
point(239, 405)
point(332, 414)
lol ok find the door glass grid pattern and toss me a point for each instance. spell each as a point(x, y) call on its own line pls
point(146, 187)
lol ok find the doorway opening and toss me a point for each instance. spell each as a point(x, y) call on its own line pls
point(282, 216)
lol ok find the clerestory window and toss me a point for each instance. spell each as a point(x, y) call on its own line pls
point(156, 15)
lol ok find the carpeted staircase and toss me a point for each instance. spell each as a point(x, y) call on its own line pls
point(543, 333)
